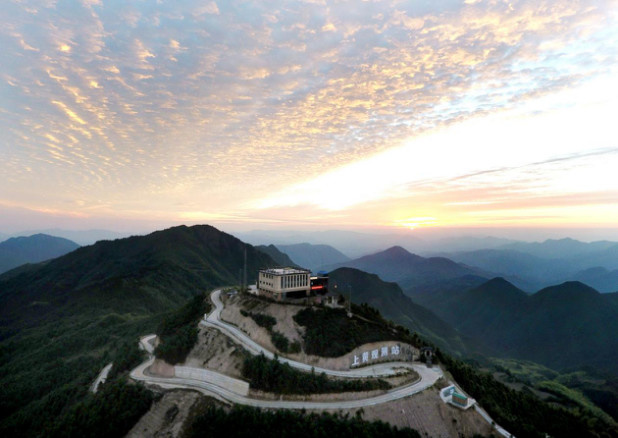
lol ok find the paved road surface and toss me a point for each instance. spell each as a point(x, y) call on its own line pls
point(223, 393)
point(101, 378)
point(146, 343)
point(379, 370)
point(230, 390)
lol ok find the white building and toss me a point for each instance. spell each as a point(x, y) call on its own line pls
point(281, 283)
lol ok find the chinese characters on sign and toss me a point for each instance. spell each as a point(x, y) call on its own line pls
point(375, 354)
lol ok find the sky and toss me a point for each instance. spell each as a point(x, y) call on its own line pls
point(400, 115)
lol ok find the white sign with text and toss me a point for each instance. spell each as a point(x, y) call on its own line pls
point(375, 354)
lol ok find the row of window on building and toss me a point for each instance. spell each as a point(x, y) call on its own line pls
point(291, 283)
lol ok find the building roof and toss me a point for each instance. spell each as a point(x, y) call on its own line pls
point(459, 396)
point(285, 271)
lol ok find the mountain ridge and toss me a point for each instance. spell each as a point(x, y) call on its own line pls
point(410, 271)
point(280, 257)
point(61, 320)
point(390, 300)
point(313, 256)
point(17, 251)
point(564, 326)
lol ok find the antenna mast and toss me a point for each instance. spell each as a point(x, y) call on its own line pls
point(244, 278)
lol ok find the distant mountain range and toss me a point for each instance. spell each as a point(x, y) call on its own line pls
point(560, 248)
point(279, 257)
point(313, 257)
point(82, 237)
point(532, 266)
point(599, 278)
point(412, 272)
point(357, 244)
point(500, 317)
point(352, 243)
point(18, 251)
point(565, 326)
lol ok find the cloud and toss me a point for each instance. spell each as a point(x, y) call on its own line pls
point(209, 8)
point(225, 102)
point(502, 151)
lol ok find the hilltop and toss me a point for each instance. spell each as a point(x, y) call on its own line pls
point(339, 338)
point(17, 251)
point(412, 272)
point(521, 411)
point(61, 321)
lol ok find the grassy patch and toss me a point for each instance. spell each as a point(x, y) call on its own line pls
point(572, 397)
point(524, 371)
point(283, 344)
point(578, 389)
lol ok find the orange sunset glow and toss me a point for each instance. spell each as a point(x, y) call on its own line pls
point(393, 115)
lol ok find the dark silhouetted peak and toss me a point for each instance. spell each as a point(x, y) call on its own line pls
point(569, 290)
point(281, 258)
point(17, 251)
point(153, 271)
point(395, 253)
point(499, 292)
point(500, 284)
point(37, 240)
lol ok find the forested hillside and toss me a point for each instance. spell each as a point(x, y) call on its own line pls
point(564, 327)
point(62, 321)
point(389, 299)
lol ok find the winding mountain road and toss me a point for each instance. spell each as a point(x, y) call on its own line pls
point(232, 390)
point(101, 378)
point(379, 370)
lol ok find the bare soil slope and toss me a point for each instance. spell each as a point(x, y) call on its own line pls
point(166, 416)
point(426, 413)
point(216, 352)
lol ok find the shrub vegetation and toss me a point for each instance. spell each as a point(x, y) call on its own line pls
point(246, 422)
point(178, 330)
point(331, 333)
point(273, 376)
